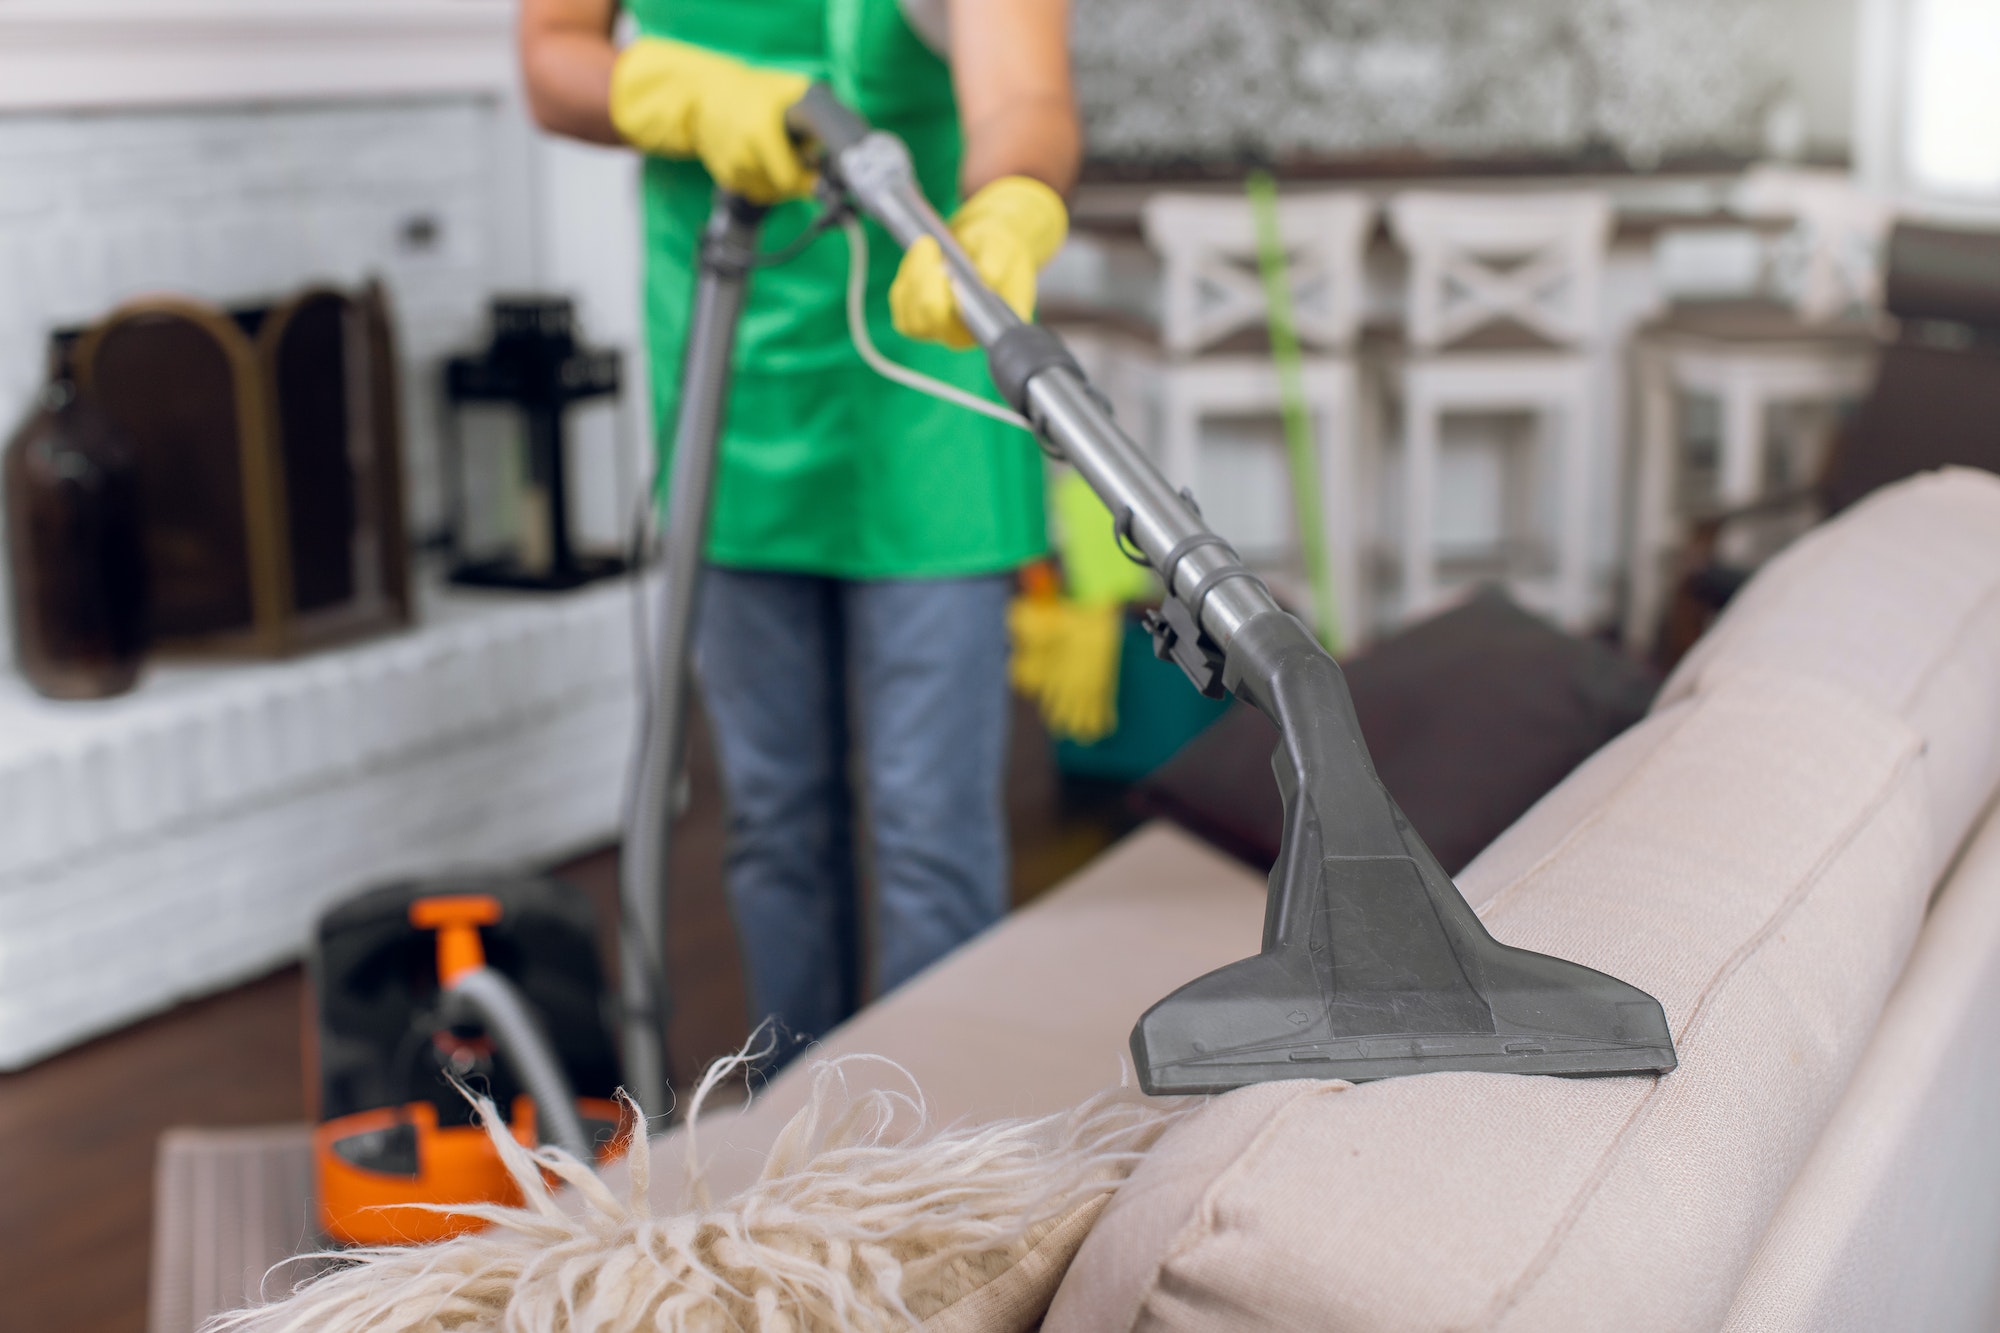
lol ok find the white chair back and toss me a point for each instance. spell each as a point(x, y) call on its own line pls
point(1211, 287)
point(1478, 259)
point(1831, 262)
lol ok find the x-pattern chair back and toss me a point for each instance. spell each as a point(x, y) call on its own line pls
point(1831, 262)
point(1212, 288)
point(1478, 259)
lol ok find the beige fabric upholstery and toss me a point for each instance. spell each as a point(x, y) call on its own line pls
point(1895, 1221)
point(1018, 1297)
point(1899, 602)
point(1033, 1016)
point(1758, 855)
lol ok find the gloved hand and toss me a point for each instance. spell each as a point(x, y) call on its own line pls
point(1009, 228)
point(1066, 660)
point(672, 99)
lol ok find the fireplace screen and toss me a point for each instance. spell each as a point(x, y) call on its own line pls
point(270, 466)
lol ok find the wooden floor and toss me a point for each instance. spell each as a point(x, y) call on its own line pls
point(77, 1132)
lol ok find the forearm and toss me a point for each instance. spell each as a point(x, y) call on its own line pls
point(1038, 138)
point(1010, 69)
point(566, 60)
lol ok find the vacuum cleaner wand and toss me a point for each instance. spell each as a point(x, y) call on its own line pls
point(1372, 964)
point(728, 253)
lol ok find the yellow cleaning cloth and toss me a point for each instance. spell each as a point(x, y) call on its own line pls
point(672, 99)
point(1009, 229)
point(1066, 660)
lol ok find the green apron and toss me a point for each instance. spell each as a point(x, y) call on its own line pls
point(826, 467)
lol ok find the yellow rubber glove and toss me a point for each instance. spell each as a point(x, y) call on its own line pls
point(672, 99)
point(1066, 660)
point(1009, 229)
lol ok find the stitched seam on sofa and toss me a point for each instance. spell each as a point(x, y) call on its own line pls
point(1722, 975)
point(1960, 633)
point(1588, 822)
point(1201, 1223)
point(1708, 675)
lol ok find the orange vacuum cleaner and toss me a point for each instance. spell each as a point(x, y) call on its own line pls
point(488, 983)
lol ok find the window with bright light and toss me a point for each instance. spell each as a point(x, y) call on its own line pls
point(1953, 146)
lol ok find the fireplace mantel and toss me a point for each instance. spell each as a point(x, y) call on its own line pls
point(183, 837)
point(70, 55)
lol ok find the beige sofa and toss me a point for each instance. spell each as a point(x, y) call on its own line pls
point(1796, 853)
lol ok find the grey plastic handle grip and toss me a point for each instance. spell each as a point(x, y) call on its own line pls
point(821, 117)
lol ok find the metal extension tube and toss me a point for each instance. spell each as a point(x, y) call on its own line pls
point(1372, 964)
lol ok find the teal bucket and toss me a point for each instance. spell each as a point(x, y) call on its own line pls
point(1158, 713)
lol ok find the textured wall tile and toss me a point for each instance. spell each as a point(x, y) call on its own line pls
point(1289, 79)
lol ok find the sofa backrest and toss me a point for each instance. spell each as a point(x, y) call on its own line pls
point(1758, 855)
point(1898, 604)
point(1895, 1219)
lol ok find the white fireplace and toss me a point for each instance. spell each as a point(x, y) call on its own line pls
point(183, 837)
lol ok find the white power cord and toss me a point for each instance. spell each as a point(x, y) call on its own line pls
point(857, 327)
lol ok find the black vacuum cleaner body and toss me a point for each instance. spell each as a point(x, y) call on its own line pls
point(398, 1027)
point(1372, 963)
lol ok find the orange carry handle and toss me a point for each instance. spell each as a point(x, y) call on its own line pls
point(456, 917)
point(1040, 582)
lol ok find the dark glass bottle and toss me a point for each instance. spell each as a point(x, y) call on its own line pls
point(74, 548)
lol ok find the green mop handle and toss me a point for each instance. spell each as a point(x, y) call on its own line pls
point(1299, 453)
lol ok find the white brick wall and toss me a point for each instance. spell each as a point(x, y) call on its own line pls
point(238, 204)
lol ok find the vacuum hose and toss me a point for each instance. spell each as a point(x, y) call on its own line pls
point(488, 998)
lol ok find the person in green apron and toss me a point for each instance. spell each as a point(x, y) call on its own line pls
point(851, 641)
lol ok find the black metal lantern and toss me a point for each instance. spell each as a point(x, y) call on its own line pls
point(509, 520)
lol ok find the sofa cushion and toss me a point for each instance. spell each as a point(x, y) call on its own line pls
point(1898, 601)
point(1895, 1220)
point(1470, 716)
point(1761, 869)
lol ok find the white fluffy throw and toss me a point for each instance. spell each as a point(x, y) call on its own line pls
point(866, 1217)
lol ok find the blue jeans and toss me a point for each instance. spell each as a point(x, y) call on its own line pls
point(813, 685)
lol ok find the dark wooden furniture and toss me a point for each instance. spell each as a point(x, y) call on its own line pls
point(1935, 403)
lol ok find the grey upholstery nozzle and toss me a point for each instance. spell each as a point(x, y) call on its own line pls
point(1373, 966)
